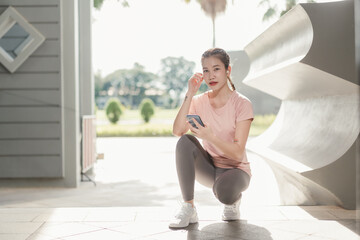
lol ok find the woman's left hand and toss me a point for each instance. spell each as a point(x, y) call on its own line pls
point(204, 133)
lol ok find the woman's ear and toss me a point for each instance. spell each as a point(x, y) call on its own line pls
point(228, 70)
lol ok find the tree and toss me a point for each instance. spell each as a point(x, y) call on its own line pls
point(114, 110)
point(99, 3)
point(98, 84)
point(131, 83)
point(212, 8)
point(175, 73)
point(272, 10)
point(147, 109)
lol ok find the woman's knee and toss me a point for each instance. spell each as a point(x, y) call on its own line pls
point(228, 188)
point(226, 193)
point(183, 138)
point(184, 141)
point(187, 137)
point(230, 200)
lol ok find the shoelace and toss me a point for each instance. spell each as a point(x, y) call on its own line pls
point(230, 208)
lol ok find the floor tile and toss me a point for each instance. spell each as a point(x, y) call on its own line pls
point(106, 225)
point(62, 215)
point(189, 235)
point(18, 227)
point(210, 213)
point(39, 236)
point(17, 217)
point(343, 213)
point(60, 230)
point(143, 229)
point(59, 217)
point(329, 228)
point(14, 236)
point(154, 214)
point(109, 216)
point(262, 213)
point(104, 234)
point(22, 210)
point(353, 225)
point(320, 207)
point(277, 234)
point(296, 213)
point(316, 237)
point(322, 215)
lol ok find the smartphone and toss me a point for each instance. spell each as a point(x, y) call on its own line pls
point(198, 119)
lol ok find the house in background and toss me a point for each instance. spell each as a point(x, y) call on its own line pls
point(45, 97)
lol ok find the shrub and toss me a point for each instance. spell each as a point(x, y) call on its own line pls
point(147, 109)
point(114, 110)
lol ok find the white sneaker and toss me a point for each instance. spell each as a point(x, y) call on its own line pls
point(184, 217)
point(231, 212)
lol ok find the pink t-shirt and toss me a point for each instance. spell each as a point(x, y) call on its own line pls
point(223, 123)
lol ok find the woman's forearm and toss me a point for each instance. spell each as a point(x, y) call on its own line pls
point(180, 126)
point(231, 150)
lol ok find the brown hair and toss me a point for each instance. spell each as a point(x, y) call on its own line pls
point(222, 55)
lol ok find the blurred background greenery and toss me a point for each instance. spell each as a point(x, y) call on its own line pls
point(131, 124)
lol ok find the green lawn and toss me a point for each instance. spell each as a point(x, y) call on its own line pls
point(131, 124)
point(131, 114)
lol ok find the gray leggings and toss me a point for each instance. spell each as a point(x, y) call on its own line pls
point(192, 161)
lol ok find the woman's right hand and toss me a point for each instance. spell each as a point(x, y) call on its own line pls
point(194, 83)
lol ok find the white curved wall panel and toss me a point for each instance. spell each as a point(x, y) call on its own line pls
point(307, 59)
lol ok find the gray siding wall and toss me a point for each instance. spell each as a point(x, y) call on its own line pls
point(30, 100)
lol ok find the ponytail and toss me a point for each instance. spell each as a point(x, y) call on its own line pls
point(231, 84)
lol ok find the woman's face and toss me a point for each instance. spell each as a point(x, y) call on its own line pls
point(214, 73)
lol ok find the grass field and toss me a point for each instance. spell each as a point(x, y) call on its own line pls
point(131, 124)
point(131, 114)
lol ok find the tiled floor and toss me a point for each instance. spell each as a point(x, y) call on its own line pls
point(137, 194)
point(151, 223)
